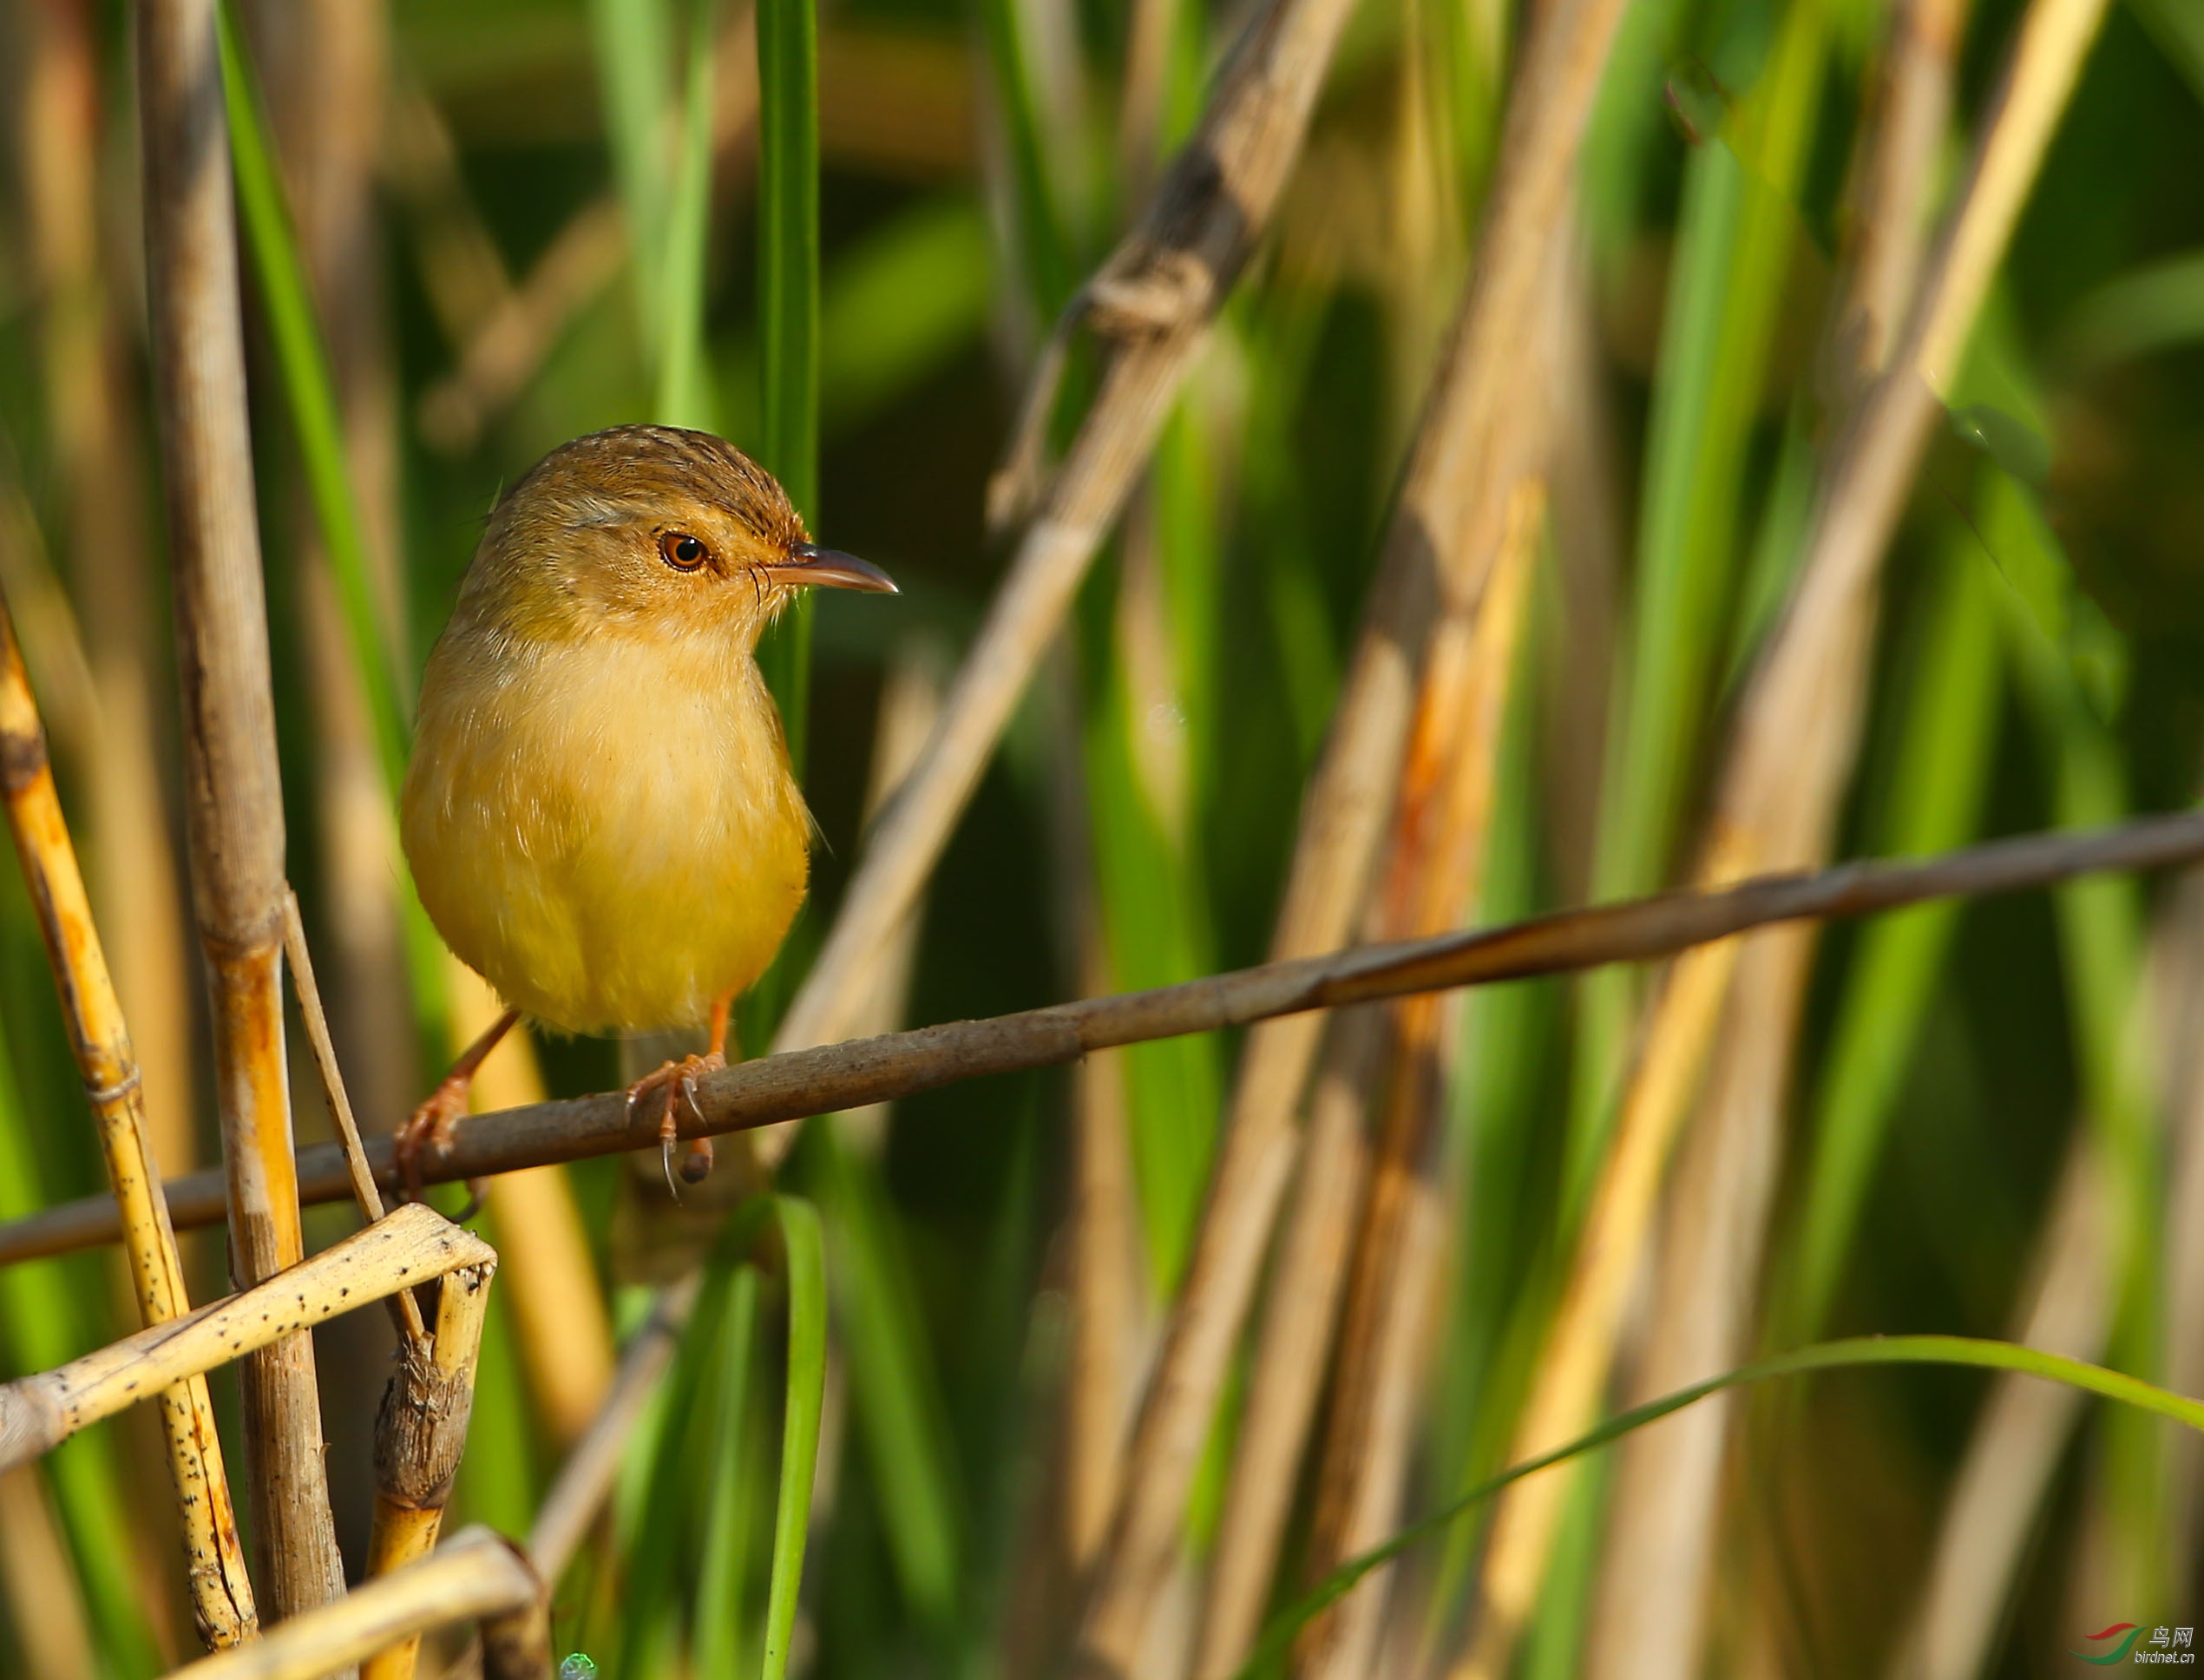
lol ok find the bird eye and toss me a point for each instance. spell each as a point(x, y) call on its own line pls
point(682, 552)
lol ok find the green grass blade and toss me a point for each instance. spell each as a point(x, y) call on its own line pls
point(723, 1569)
point(806, 1249)
point(1949, 710)
point(1043, 234)
point(685, 396)
point(788, 315)
point(895, 1392)
point(1946, 1350)
point(634, 55)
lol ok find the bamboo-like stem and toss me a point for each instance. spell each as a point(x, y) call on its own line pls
point(1154, 297)
point(1806, 684)
point(895, 1065)
point(235, 806)
point(1473, 445)
point(476, 1576)
point(1431, 879)
point(413, 1246)
point(420, 1432)
point(585, 1479)
point(221, 1595)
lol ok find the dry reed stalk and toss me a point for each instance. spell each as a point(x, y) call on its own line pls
point(1108, 1283)
point(476, 1576)
point(365, 1191)
point(413, 1245)
point(586, 1477)
point(1659, 1552)
point(420, 1432)
point(221, 1595)
point(1910, 118)
point(894, 1065)
point(46, 1608)
point(562, 1326)
point(87, 379)
point(1430, 882)
point(1991, 1513)
point(233, 799)
point(1474, 443)
point(1311, 1269)
point(1805, 687)
point(1152, 300)
point(1308, 1277)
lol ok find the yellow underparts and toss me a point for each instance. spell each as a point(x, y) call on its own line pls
point(605, 829)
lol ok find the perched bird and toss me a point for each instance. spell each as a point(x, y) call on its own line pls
point(600, 813)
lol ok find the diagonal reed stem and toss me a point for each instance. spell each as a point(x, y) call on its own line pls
point(221, 1595)
point(233, 802)
point(850, 1075)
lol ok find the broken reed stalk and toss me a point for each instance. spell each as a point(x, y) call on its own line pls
point(413, 1246)
point(1429, 884)
point(1474, 443)
point(233, 797)
point(222, 1593)
point(1152, 301)
point(895, 1065)
point(420, 1434)
point(477, 1576)
point(1807, 682)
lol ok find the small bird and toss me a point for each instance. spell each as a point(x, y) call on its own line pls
point(600, 813)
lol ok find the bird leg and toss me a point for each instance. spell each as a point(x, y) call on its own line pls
point(679, 1079)
point(429, 1126)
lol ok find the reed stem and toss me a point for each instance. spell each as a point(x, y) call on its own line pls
point(233, 800)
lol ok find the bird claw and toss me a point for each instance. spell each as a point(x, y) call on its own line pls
point(429, 1127)
point(678, 1081)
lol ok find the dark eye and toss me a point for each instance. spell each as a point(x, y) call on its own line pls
point(682, 552)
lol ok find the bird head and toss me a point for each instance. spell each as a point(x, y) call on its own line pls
point(653, 530)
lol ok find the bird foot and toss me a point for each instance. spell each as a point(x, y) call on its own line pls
point(429, 1127)
point(678, 1079)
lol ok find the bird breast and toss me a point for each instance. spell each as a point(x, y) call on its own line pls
point(605, 829)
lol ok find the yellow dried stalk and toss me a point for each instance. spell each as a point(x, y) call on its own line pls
point(419, 1435)
point(477, 1576)
point(413, 1246)
point(221, 1594)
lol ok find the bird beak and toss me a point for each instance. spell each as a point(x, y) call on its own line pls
point(829, 568)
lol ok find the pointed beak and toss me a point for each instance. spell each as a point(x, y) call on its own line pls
point(829, 568)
